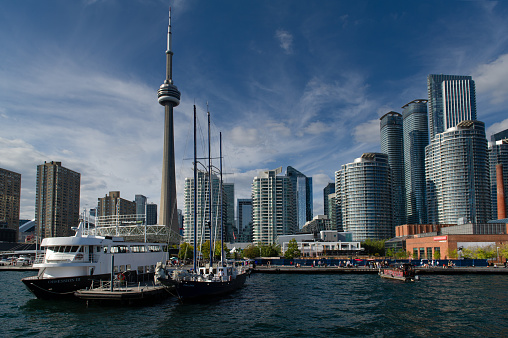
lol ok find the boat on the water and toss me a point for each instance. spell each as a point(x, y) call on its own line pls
point(75, 262)
point(212, 279)
point(404, 272)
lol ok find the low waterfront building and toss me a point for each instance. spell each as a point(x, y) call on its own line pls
point(318, 223)
point(325, 243)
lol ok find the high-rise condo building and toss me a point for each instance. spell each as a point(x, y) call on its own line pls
point(229, 210)
point(151, 213)
point(56, 200)
point(457, 175)
point(498, 158)
point(333, 212)
point(364, 193)
point(169, 96)
point(114, 205)
point(302, 187)
point(273, 207)
point(10, 193)
point(452, 99)
point(244, 220)
point(416, 138)
point(392, 145)
point(203, 208)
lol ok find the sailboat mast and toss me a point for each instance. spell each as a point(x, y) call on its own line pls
point(221, 206)
point(210, 190)
point(195, 196)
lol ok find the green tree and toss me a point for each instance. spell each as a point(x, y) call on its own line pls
point(270, 250)
point(401, 254)
point(373, 247)
point(251, 251)
point(186, 251)
point(452, 254)
point(503, 251)
point(437, 254)
point(292, 251)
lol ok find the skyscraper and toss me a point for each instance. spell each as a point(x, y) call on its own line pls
point(452, 99)
point(302, 188)
point(392, 145)
point(498, 155)
point(416, 138)
point(244, 220)
point(457, 175)
point(169, 97)
point(329, 189)
point(364, 191)
point(203, 207)
point(56, 200)
point(140, 205)
point(10, 197)
point(229, 210)
point(113, 204)
point(151, 213)
point(273, 207)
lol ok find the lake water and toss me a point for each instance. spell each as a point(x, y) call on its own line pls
point(278, 306)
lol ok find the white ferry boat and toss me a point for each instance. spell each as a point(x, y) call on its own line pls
point(73, 263)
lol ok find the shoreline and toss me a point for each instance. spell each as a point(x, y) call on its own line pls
point(419, 271)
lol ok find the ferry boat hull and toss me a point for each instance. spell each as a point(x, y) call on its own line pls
point(59, 288)
point(192, 289)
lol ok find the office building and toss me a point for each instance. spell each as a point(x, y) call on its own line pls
point(329, 189)
point(56, 200)
point(415, 139)
point(392, 145)
point(498, 158)
point(229, 211)
point(10, 194)
point(273, 207)
point(151, 213)
point(457, 175)
point(334, 213)
point(452, 99)
point(244, 208)
point(114, 205)
point(302, 188)
point(364, 193)
point(203, 208)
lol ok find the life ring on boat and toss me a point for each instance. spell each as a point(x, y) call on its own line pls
point(121, 276)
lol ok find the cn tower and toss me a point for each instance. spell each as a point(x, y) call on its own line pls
point(169, 97)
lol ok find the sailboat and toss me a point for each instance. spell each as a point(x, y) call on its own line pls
point(210, 279)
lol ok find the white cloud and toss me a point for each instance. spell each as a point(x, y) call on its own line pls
point(367, 132)
point(241, 136)
point(316, 128)
point(496, 128)
point(286, 40)
point(492, 79)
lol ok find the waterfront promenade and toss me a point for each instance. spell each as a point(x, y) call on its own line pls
point(284, 269)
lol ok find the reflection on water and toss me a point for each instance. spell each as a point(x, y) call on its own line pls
point(279, 305)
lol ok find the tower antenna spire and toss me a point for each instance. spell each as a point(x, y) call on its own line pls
point(169, 52)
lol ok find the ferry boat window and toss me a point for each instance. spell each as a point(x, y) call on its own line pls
point(115, 269)
point(154, 248)
point(140, 270)
point(113, 249)
point(98, 248)
point(105, 249)
point(138, 248)
point(147, 268)
point(80, 249)
point(74, 248)
point(122, 268)
point(128, 267)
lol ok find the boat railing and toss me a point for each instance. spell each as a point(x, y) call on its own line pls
point(40, 259)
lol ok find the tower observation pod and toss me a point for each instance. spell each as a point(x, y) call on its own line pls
point(169, 97)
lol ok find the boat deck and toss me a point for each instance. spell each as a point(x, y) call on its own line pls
point(125, 294)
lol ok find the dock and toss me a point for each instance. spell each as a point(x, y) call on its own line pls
point(360, 270)
point(129, 294)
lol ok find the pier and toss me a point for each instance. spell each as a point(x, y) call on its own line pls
point(419, 271)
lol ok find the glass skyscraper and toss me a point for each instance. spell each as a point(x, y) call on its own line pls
point(392, 145)
point(457, 175)
point(273, 207)
point(416, 138)
point(302, 186)
point(364, 191)
point(452, 99)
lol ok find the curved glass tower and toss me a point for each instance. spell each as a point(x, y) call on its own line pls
point(457, 175)
point(364, 191)
point(416, 138)
point(392, 145)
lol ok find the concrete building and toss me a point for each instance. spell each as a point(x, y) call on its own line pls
point(56, 200)
point(302, 188)
point(452, 99)
point(318, 223)
point(392, 145)
point(457, 175)
point(168, 96)
point(322, 244)
point(364, 193)
point(114, 205)
point(10, 197)
point(229, 211)
point(498, 159)
point(416, 138)
point(273, 207)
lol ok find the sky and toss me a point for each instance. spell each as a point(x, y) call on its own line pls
point(288, 83)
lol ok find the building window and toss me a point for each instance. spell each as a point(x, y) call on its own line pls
point(429, 253)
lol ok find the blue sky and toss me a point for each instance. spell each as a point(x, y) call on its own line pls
point(296, 83)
